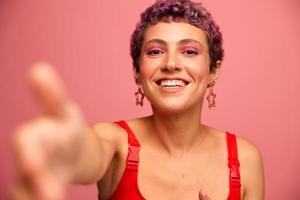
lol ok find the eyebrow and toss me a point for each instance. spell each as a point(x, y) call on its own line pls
point(183, 41)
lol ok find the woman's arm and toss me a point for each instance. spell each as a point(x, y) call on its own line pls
point(102, 142)
point(58, 147)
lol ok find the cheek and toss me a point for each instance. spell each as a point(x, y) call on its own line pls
point(145, 70)
point(199, 69)
point(148, 67)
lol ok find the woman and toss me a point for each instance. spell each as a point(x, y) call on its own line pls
point(177, 54)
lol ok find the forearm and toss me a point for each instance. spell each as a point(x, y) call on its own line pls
point(93, 160)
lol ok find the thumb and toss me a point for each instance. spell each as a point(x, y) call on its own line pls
point(48, 88)
point(203, 195)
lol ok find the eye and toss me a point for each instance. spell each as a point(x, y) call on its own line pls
point(154, 52)
point(190, 52)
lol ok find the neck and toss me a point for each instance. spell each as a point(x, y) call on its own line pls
point(178, 132)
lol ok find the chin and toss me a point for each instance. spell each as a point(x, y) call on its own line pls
point(172, 106)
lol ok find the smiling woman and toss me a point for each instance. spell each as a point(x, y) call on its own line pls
point(167, 59)
point(177, 55)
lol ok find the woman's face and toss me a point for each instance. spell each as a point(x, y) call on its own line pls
point(174, 66)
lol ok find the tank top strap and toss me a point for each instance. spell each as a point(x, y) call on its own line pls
point(133, 147)
point(234, 165)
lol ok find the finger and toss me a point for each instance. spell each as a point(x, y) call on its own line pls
point(35, 142)
point(37, 181)
point(29, 157)
point(203, 195)
point(48, 88)
point(47, 187)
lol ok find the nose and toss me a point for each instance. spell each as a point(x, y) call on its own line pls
point(172, 63)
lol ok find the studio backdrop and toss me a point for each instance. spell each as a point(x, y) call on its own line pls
point(88, 43)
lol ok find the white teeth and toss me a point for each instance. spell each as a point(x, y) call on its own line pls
point(172, 83)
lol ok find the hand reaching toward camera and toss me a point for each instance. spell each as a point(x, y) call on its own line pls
point(47, 148)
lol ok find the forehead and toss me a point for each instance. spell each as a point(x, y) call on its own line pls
point(172, 32)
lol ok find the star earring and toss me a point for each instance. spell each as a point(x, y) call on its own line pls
point(211, 98)
point(139, 96)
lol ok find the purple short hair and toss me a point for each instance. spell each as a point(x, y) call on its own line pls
point(178, 10)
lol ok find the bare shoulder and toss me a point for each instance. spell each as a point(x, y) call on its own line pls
point(248, 152)
point(251, 164)
point(109, 132)
point(251, 169)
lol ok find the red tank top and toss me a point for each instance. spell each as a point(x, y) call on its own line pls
point(128, 186)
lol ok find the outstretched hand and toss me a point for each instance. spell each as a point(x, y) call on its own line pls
point(47, 147)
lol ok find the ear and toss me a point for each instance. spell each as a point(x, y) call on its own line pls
point(216, 72)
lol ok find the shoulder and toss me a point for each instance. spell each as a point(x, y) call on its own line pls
point(251, 168)
point(248, 152)
point(109, 132)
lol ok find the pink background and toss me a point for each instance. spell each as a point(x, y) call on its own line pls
point(257, 93)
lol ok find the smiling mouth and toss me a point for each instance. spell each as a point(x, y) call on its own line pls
point(174, 83)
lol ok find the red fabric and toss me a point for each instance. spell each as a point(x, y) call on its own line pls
point(128, 186)
point(234, 167)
